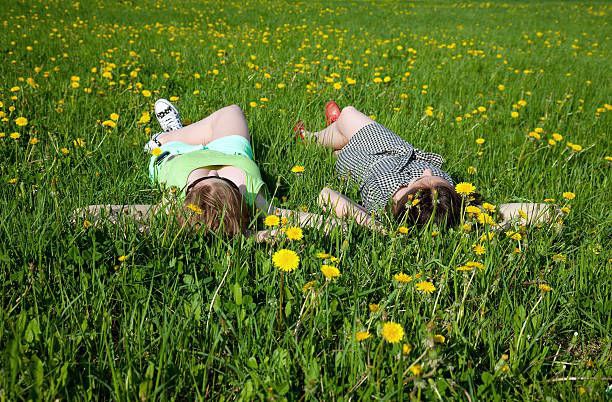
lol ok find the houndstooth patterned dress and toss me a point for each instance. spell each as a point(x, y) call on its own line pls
point(380, 162)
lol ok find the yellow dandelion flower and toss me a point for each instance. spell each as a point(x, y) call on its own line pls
point(425, 287)
point(297, 169)
point(294, 233)
point(439, 338)
point(122, 258)
point(15, 136)
point(12, 181)
point(114, 116)
point(544, 287)
point(514, 115)
point(109, 124)
point(144, 118)
point(501, 87)
point(406, 348)
point(480, 141)
point(557, 136)
point(194, 208)
point(402, 229)
point(86, 224)
point(479, 249)
point(374, 307)
point(485, 219)
point(350, 81)
point(402, 278)
point(576, 147)
point(330, 272)
point(33, 141)
point(362, 335)
point(464, 188)
point(253, 104)
point(337, 85)
point(471, 209)
point(475, 264)
point(568, 195)
point(308, 286)
point(286, 260)
point(281, 85)
point(514, 235)
point(322, 255)
point(416, 369)
point(271, 220)
point(21, 121)
point(64, 150)
point(487, 236)
point(156, 151)
point(392, 332)
point(488, 207)
point(146, 93)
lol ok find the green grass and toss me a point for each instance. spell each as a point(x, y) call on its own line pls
point(76, 323)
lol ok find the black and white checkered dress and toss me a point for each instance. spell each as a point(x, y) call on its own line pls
point(380, 162)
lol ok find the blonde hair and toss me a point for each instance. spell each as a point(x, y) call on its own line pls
point(216, 205)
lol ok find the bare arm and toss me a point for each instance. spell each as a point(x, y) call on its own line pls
point(344, 207)
point(139, 212)
point(305, 219)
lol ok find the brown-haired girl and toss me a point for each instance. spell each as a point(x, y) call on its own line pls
point(209, 167)
point(390, 172)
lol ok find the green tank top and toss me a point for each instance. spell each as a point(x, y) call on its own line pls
point(174, 172)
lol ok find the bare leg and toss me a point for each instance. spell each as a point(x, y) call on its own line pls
point(339, 133)
point(227, 121)
point(351, 121)
point(329, 137)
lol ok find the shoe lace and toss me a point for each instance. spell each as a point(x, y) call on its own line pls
point(169, 119)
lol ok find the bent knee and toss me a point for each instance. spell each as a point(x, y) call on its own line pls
point(233, 109)
point(325, 195)
point(348, 109)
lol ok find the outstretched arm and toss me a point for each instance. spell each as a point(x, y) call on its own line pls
point(306, 219)
point(344, 207)
point(140, 212)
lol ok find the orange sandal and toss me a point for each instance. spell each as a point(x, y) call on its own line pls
point(332, 112)
point(299, 130)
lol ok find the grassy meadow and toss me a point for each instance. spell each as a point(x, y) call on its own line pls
point(516, 96)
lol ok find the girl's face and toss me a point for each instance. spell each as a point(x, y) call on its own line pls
point(205, 172)
point(427, 180)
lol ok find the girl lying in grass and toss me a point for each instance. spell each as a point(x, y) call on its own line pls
point(392, 175)
point(209, 167)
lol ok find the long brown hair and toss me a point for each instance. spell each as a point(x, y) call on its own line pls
point(216, 205)
point(419, 204)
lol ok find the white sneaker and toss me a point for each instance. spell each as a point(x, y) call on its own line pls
point(167, 115)
point(153, 142)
